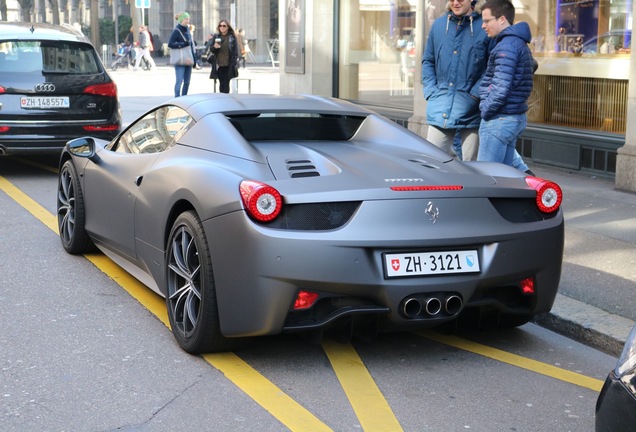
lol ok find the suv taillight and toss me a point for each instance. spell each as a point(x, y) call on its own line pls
point(108, 89)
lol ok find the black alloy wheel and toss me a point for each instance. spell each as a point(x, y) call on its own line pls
point(71, 216)
point(191, 293)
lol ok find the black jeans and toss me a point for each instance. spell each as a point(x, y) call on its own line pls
point(223, 73)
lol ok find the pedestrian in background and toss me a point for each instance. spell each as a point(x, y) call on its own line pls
point(225, 52)
point(181, 38)
point(144, 49)
point(506, 85)
point(243, 46)
point(452, 66)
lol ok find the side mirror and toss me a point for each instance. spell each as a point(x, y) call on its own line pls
point(82, 147)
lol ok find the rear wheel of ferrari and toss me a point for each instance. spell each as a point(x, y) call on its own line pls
point(191, 294)
point(71, 217)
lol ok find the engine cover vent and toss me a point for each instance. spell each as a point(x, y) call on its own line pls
point(301, 168)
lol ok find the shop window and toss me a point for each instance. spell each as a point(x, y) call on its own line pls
point(379, 61)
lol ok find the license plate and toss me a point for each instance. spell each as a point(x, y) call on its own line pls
point(43, 102)
point(431, 263)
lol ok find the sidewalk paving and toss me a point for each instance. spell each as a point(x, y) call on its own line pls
point(596, 303)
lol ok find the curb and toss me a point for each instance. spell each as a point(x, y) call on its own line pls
point(587, 324)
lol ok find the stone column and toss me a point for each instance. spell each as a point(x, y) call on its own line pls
point(626, 158)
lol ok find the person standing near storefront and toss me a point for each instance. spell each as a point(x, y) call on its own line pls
point(452, 66)
point(506, 85)
point(225, 52)
point(181, 38)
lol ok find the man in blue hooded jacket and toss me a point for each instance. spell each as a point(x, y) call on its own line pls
point(506, 84)
point(453, 63)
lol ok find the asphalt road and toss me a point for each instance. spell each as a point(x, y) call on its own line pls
point(86, 348)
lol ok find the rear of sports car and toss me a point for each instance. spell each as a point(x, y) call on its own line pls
point(360, 234)
point(52, 91)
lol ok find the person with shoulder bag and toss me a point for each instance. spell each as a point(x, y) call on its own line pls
point(179, 39)
point(224, 56)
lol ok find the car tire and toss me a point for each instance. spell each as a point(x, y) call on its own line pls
point(191, 292)
point(71, 215)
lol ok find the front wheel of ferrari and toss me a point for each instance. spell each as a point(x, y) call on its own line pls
point(191, 292)
point(71, 216)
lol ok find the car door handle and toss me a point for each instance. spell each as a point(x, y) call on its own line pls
point(138, 180)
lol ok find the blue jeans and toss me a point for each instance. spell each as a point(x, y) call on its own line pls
point(183, 74)
point(498, 138)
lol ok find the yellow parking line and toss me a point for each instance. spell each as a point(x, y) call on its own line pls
point(367, 401)
point(516, 360)
point(40, 213)
point(265, 393)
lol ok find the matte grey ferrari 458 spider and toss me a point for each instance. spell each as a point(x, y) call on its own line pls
point(255, 215)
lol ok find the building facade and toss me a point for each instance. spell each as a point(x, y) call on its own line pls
point(369, 51)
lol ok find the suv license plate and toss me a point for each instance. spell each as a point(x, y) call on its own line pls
point(44, 102)
point(431, 263)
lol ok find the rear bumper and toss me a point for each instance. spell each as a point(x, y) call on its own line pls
point(259, 271)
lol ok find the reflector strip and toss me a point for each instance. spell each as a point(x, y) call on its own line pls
point(426, 188)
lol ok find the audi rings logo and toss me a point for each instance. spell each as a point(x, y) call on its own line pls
point(46, 87)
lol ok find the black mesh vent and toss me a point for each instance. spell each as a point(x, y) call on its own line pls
point(315, 217)
point(520, 210)
point(302, 168)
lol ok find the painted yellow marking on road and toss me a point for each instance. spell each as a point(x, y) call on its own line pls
point(265, 393)
point(144, 295)
point(40, 213)
point(516, 360)
point(367, 401)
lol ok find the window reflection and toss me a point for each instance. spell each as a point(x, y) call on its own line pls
point(582, 47)
point(379, 51)
point(156, 132)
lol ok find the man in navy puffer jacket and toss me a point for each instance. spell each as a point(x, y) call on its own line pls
point(452, 65)
point(506, 85)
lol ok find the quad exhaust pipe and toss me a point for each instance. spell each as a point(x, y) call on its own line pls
point(431, 306)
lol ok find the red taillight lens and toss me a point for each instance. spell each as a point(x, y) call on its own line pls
point(100, 128)
point(4, 129)
point(261, 201)
point(305, 300)
point(527, 286)
point(549, 194)
point(107, 89)
point(2, 90)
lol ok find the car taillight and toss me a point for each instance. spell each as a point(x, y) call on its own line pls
point(305, 300)
point(4, 129)
point(549, 194)
point(261, 201)
point(2, 90)
point(107, 89)
point(101, 128)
